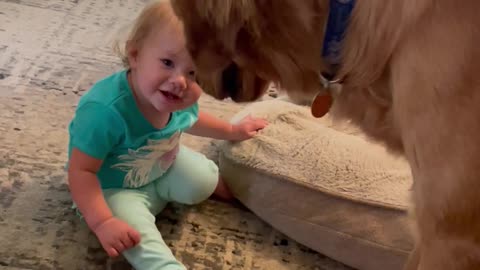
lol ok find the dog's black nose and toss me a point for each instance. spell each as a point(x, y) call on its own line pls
point(231, 81)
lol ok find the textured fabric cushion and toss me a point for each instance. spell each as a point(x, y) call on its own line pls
point(324, 185)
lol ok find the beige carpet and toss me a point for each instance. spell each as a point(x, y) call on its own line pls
point(51, 51)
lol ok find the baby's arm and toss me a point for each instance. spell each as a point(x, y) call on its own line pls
point(210, 126)
point(85, 188)
point(114, 234)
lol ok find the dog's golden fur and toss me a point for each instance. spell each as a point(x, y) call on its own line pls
point(410, 82)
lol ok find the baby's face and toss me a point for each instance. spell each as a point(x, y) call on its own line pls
point(163, 71)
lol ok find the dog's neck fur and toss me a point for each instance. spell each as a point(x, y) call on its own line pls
point(365, 65)
point(365, 58)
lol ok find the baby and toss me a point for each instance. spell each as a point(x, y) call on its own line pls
point(125, 158)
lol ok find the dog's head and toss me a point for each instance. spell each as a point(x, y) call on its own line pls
point(241, 46)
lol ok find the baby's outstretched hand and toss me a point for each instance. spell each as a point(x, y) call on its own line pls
point(116, 236)
point(247, 128)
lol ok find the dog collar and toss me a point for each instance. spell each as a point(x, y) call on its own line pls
point(338, 18)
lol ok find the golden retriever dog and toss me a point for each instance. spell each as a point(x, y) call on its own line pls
point(408, 73)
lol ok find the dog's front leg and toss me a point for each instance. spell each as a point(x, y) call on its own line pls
point(441, 142)
point(442, 145)
point(436, 97)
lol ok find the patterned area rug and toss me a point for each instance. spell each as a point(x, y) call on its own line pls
point(51, 51)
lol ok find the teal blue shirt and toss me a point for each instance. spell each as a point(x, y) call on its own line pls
point(108, 125)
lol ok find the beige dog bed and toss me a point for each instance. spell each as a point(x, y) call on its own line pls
point(325, 186)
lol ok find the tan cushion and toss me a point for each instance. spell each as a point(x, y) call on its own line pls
point(323, 185)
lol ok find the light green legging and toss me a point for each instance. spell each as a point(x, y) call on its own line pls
point(191, 179)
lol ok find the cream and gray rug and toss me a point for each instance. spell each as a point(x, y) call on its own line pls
point(51, 51)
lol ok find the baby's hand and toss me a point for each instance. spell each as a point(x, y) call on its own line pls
point(247, 128)
point(116, 236)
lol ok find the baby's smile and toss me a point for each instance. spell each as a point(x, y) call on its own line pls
point(170, 96)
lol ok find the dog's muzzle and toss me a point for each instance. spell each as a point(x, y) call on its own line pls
point(231, 81)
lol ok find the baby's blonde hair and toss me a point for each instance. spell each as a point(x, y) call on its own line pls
point(157, 13)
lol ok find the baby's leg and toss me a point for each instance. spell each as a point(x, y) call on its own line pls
point(222, 191)
point(138, 208)
point(192, 179)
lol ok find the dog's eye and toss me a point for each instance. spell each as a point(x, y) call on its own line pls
point(167, 62)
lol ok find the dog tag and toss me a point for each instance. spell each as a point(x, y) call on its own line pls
point(323, 101)
point(321, 104)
